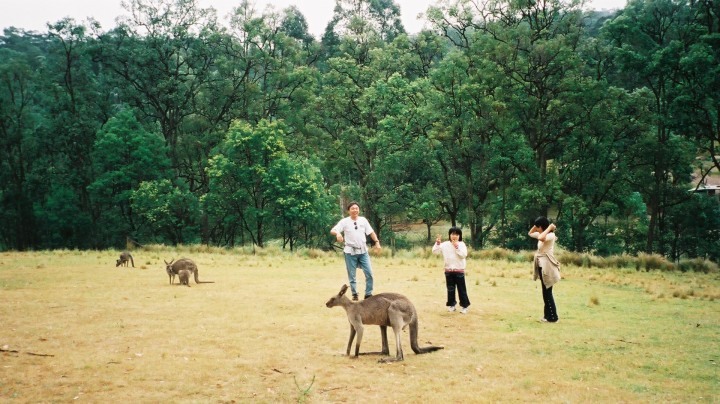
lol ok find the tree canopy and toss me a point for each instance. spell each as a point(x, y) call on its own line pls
point(177, 127)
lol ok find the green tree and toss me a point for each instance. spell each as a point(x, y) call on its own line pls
point(364, 20)
point(79, 108)
point(697, 106)
point(166, 212)
point(125, 154)
point(19, 153)
point(696, 235)
point(162, 58)
point(238, 174)
point(650, 40)
point(300, 202)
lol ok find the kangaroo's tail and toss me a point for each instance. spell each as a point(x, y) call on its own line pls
point(197, 278)
point(132, 261)
point(414, 340)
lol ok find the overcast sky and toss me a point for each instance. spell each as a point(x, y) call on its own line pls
point(34, 14)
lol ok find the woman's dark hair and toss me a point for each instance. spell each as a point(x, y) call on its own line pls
point(542, 222)
point(350, 205)
point(455, 230)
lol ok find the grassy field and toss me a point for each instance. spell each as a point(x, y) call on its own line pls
point(77, 329)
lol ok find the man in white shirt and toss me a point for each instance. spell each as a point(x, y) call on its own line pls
point(353, 231)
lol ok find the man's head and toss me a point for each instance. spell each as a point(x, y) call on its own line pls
point(353, 208)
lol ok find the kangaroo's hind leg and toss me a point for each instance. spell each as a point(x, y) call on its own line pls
point(396, 321)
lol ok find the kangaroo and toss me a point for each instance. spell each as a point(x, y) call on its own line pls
point(174, 267)
point(169, 270)
point(384, 309)
point(184, 276)
point(124, 258)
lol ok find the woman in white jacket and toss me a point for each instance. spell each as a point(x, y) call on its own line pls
point(546, 267)
point(454, 252)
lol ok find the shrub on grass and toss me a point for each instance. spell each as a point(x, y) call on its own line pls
point(620, 261)
point(697, 265)
point(571, 258)
point(496, 253)
point(649, 262)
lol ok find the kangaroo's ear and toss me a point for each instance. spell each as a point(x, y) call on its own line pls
point(343, 289)
point(166, 263)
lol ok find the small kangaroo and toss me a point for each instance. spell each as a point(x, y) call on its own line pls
point(124, 258)
point(174, 267)
point(184, 277)
point(384, 309)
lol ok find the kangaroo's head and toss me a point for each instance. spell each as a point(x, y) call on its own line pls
point(337, 300)
point(168, 265)
point(118, 262)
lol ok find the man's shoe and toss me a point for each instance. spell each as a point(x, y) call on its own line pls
point(355, 297)
point(464, 310)
point(370, 295)
point(451, 308)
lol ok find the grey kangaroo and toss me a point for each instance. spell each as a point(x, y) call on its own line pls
point(174, 267)
point(184, 277)
point(124, 258)
point(384, 309)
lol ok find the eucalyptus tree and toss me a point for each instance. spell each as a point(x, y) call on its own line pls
point(466, 122)
point(81, 105)
point(294, 25)
point(163, 57)
point(53, 102)
point(364, 21)
point(347, 126)
point(549, 96)
point(696, 235)
point(20, 117)
point(264, 70)
point(301, 205)
point(244, 188)
point(124, 155)
point(597, 169)
point(404, 161)
point(697, 106)
point(167, 212)
point(651, 42)
point(495, 85)
point(535, 46)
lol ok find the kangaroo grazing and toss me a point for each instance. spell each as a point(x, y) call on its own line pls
point(174, 267)
point(384, 309)
point(124, 258)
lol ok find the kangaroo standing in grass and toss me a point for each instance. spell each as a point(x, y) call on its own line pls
point(184, 277)
point(174, 267)
point(384, 309)
point(124, 258)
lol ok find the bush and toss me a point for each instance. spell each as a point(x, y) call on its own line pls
point(496, 253)
point(620, 261)
point(697, 265)
point(653, 261)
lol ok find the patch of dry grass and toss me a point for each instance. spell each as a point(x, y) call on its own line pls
point(262, 333)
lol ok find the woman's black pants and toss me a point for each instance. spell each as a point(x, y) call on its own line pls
point(550, 310)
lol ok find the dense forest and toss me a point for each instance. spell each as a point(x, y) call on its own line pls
point(177, 127)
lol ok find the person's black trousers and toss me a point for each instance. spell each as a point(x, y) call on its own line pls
point(453, 280)
point(550, 310)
